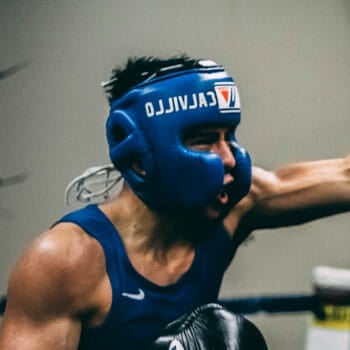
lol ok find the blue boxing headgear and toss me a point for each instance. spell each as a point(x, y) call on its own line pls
point(147, 124)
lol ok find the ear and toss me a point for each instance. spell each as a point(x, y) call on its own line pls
point(137, 167)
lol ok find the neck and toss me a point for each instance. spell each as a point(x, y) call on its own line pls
point(145, 230)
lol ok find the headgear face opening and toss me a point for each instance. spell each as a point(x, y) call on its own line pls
point(148, 124)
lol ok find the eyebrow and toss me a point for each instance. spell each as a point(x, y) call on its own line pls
point(196, 135)
point(207, 131)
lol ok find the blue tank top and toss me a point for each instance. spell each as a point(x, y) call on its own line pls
point(140, 309)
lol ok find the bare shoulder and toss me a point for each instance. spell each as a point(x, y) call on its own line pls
point(56, 273)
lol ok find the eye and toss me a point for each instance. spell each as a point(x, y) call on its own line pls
point(202, 142)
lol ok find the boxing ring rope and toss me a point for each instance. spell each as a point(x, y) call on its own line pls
point(268, 304)
point(273, 304)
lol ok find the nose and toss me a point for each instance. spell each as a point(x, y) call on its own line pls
point(224, 151)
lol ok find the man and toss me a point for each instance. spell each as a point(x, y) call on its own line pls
point(112, 276)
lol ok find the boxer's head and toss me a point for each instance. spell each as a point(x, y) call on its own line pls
point(154, 104)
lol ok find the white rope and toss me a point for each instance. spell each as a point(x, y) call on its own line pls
point(93, 183)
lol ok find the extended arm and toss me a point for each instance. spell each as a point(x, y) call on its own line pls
point(298, 193)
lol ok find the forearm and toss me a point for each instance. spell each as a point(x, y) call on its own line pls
point(319, 183)
point(301, 192)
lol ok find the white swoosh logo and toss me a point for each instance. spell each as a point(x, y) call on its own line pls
point(136, 296)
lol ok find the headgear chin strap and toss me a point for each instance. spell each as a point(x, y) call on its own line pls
point(148, 124)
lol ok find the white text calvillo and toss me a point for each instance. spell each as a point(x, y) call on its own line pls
point(181, 103)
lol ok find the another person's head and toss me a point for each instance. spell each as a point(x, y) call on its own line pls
point(161, 112)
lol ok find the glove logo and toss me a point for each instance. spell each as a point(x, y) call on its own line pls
point(176, 345)
point(228, 97)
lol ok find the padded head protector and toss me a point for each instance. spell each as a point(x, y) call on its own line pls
point(147, 124)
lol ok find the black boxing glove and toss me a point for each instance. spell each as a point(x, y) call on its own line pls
point(209, 327)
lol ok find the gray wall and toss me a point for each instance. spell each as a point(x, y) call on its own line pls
point(291, 60)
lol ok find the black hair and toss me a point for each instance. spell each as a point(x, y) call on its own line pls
point(138, 69)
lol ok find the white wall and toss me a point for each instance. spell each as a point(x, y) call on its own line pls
point(291, 60)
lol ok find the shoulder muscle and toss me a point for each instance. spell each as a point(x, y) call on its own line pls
point(47, 279)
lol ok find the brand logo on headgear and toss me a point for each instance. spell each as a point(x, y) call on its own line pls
point(228, 97)
point(225, 96)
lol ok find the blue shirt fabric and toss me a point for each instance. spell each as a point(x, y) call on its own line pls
point(134, 323)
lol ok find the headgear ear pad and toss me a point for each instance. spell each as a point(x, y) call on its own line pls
point(148, 124)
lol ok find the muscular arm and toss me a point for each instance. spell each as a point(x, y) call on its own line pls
point(47, 297)
point(298, 193)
